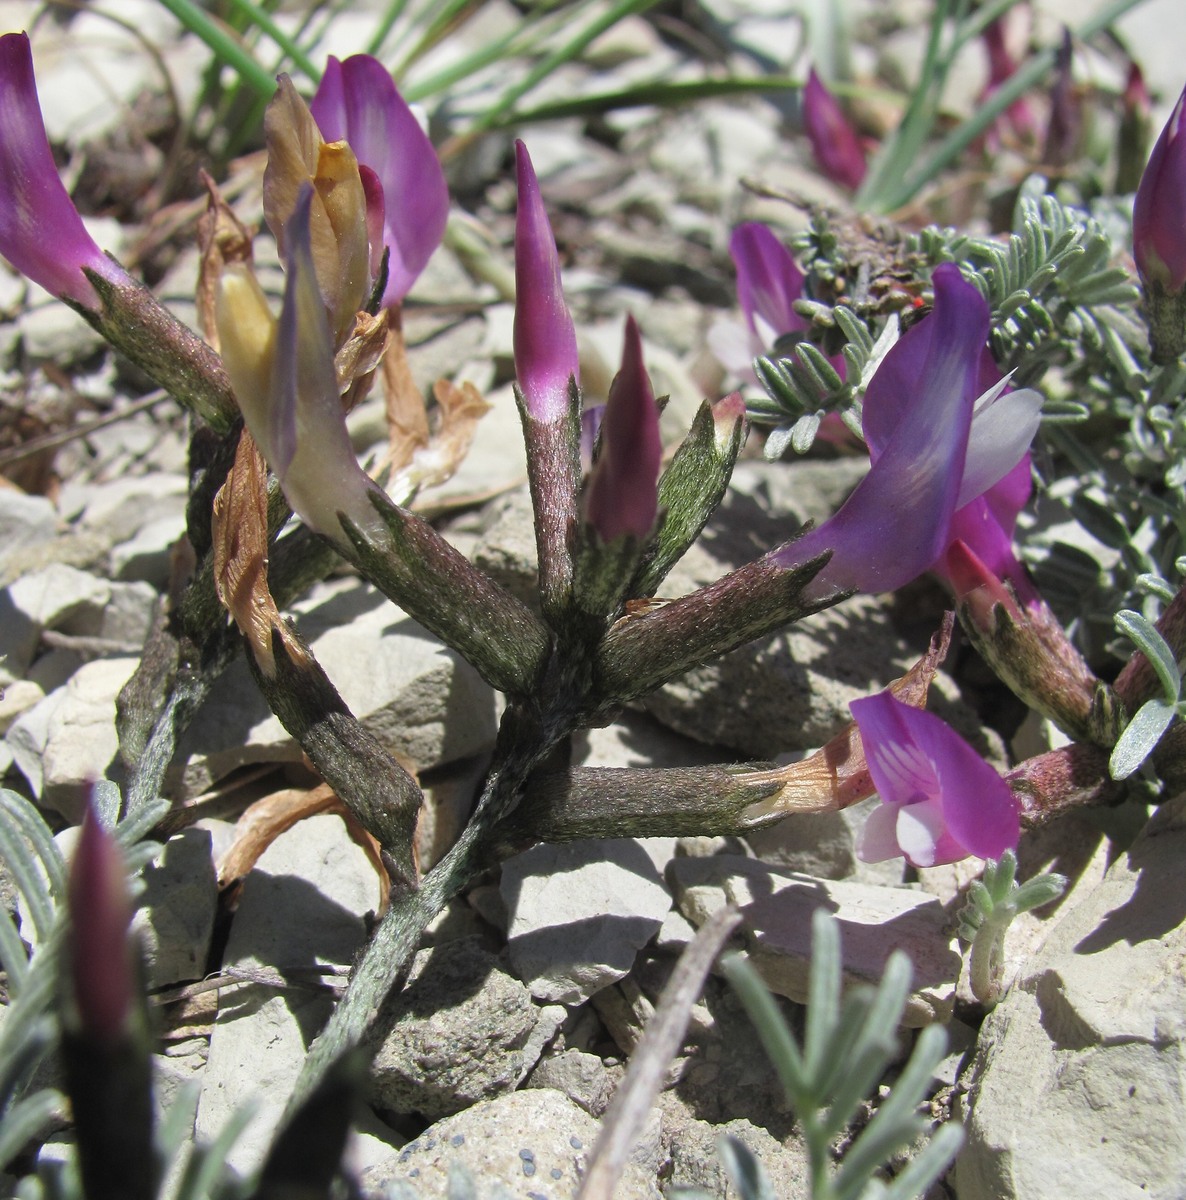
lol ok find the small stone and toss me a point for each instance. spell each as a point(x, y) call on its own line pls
point(579, 913)
point(695, 1160)
point(25, 522)
point(581, 1077)
point(66, 742)
point(176, 917)
point(457, 1032)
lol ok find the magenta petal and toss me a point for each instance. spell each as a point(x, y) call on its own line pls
point(328, 106)
point(768, 281)
point(622, 498)
point(545, 338)
point(1159, 210)
point(358, 101)
point(833, 140)
point(917, 760)
point(901, 773)
point(41, 233)
point(897, 521)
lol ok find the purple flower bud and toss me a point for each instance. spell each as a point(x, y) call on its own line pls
point(41, 233)
point(545, 338)
point(1001, 67)
point(622, 498)
point(940, 801)
point(834, 141)
point(358, 102)
point(100, 914)
point(1159, 211)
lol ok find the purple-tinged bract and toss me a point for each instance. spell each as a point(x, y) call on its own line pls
point(545, 339)
point(623, 498)
point(358, 102)
point(41, 233)
point(940, 801)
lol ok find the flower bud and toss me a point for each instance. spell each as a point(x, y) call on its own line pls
point(1159, 238)
point(101, 966)
point(545, 339)
point(834, 141)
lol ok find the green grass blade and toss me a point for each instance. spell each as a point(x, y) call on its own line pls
point(258, 17)
point(1024, 78)
point(558, 57)
point(226, 48)
point(657, 92)
point(391, 15)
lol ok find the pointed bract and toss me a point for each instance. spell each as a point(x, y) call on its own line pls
point(622, 497)
point(358, 102)
point(834, 141)
point(41, 233)
point(545, 338)
point(940, 801)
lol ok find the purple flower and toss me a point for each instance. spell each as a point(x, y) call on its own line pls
point(936, 442)
point(100, 914)
point(357, 102)
point(1159, 211)
point(940, 801)
point(41, 233)
point(834, 141)
point(622, 499)
point(283, 376)
point(545, 338)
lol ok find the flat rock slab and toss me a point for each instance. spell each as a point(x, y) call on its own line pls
point(533, 1145)
point(303, 907)
point(579, 913)
point(419, 698)
point(777, 907)
point(1078, 1087)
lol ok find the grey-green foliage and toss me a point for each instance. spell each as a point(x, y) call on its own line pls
point(848, 1045)
point(994, 901)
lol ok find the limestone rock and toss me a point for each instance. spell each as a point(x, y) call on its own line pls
point(1079, 1082)
point(456, 1032)
point(68, 740)
point(788, 691)
point(303, 907)
point(777, 906)
point(695, 1160)
point(579, 913)
point(532, 1144)
point(419, 698)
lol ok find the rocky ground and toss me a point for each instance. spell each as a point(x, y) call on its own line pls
point(531, 992)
